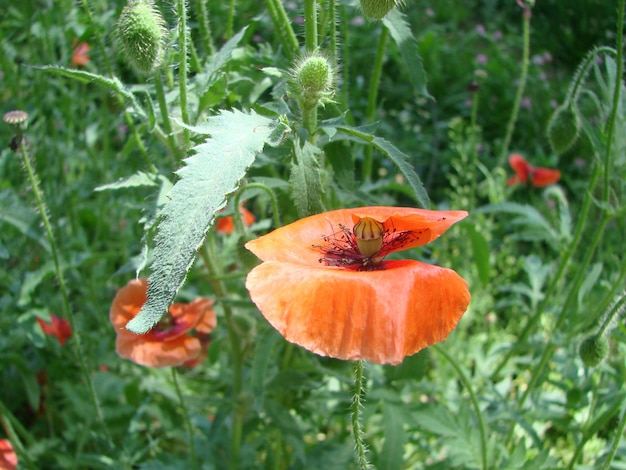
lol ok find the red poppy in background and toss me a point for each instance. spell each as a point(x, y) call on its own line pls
point(8, 457)
point(175, 340)
point(80, 57)
point(325, 286)
point(525, 172)
point(226, 225)
point(59, 328)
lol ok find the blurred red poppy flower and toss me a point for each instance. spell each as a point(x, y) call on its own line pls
point(59, 328)
point(8, 457)
point(325, 286)
point(226, 225)
point(175, 340)
point(80, 57)
point(525, 172)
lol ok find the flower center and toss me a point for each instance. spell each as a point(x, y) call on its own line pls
point(369, 236)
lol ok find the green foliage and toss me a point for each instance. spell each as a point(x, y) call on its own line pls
point(138, 170)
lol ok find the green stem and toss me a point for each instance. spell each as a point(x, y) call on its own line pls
point(269, 192)
point(204, 26)
point(8, 422)
point(616, 310)
point(520, 89)
point(67, 311)
point(230, 20)
point(474, 151)
point(479, 417)
point(610, 124)
point(192, 446)
point(372, 98)
point(215, 273)
point(183, 36)
point(284, 29)
point(310, 25)
point(619, 432)
point(357, 403)
point(556, 280)
point(167, 124)
point(332, 46)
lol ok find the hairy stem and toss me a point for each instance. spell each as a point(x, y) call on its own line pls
point(192, 446)
point(357, 430)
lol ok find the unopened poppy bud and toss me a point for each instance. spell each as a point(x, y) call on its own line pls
point(141, 33)
point(369, 236)
point(313, 81)
point(563, 129)
point(593, 350)
point(376, 9)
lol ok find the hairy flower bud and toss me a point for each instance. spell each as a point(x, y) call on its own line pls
point(377, 9)
point(141, 33)
point(563, 129)
point(593, 350)
point(313, 81)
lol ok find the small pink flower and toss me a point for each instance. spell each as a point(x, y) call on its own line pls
point(8, 457)
point(525, 172)
point(59, 328)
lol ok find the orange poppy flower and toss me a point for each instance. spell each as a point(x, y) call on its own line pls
point(80, 57)
point(226, 225)
point(8, 457)
point(59, 328)
point(324, 285)
point(525, 172)
point(173, 341)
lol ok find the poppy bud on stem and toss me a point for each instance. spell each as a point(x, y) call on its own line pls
point(377, 9)
point(141, 34)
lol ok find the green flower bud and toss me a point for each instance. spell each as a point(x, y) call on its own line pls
point(141, 33)
point(376, 9)
point(313, 81)
point(593, 350)
point(563, 129)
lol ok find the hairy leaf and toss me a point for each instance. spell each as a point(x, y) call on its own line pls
point(305, 182)
point(400, 159)
point(407, 45)
point(209, 175)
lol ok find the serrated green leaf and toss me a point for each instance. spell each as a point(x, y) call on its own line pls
point(400, 159)
point(139, 179)
point(407, 45)
point(392, 455)
point(209, 175)
point(305, 181)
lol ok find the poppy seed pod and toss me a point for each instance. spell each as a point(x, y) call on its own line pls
point(313, 81)
point(377, 9)
point(141, 34)
point(563, 129)
point(593, 350)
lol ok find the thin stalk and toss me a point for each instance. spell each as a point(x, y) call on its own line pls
point(357, 430)
point(215, 273)
point(269, 192)
point(619, 432)
point(284, 29)
point(610, 124)
point(310, 25)
point(230, 20)
point(372, 98)
point(479, 416)
point(474, 150)
point(563, 265)
point(204, 26)
point(167, 124)
point(345, 59)
point(192, 446)
point(332, 45)
point(67, 311)
point(521, 87)
point(7, 421)
point(183, 36)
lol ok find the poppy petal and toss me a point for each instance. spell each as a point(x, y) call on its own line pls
point(380, 316)
point(541, 177)
point(521, 167)
point(128, 302)
point(299, 242)
point(157, 353)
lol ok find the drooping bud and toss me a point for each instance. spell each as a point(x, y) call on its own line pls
point(313, 81)
point(563, 129)
point(369, 236)
point(593, 350)
point(141, 33)
point(377, 9)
